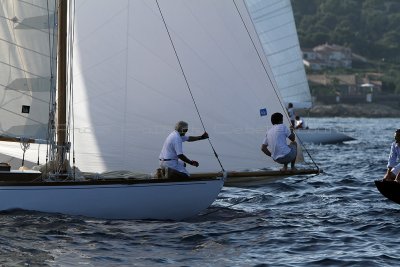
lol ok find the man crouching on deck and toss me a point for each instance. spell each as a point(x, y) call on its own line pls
point(393, 169)
point(172, 159)
point(275, 145)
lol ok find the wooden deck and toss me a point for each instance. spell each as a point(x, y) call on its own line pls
point(234, 179)
point(255, 178)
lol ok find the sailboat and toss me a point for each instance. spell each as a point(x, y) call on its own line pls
point(126, 73)
point(274, 22)
point(28, 64)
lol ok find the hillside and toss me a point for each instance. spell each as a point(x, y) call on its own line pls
point(371, 28)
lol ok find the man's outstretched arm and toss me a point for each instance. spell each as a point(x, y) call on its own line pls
point(197, 138)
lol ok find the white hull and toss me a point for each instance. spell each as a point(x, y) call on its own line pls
point(159, 201)
point(322, 136)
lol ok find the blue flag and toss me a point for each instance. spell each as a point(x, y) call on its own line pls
point(263, 112)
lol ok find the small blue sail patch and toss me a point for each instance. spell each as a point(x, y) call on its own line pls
point(263, 112)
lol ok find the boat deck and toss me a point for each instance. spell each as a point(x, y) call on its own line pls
point(236, 179)
point(256, 178)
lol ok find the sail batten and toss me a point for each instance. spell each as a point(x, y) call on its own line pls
point(276, 27)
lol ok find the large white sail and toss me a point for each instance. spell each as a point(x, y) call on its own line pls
point(129, 90)
point(276, 27)
point(27, 65)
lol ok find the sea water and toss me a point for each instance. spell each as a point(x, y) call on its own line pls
point(337, 218)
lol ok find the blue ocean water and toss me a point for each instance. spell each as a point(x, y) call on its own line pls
point(334, 219)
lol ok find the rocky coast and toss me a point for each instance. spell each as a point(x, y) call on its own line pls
point(366, 110)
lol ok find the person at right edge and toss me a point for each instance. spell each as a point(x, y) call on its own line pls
point(275, 144)
point(393, 166)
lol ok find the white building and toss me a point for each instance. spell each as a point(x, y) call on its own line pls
point(327, 56)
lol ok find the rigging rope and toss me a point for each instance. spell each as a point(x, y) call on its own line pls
point(24, 146)
point(71, 116)
point(269, 77)
point(187, 82)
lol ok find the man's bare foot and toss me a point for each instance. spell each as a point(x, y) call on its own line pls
point(284, 169)
point(293, 169)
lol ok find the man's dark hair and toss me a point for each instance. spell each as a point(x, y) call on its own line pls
point(398, 131)
point(276, 118)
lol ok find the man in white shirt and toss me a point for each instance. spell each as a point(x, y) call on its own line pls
point(275, 144)
point(393, 166)
point(172, 157)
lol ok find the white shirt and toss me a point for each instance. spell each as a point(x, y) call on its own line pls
point(394, 155)
point(173, 146)
point(298, 122)
point(275, 140)
point(291, 114)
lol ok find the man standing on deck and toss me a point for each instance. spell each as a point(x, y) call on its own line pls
point(275, 145)
point(393, 166)
point(291, 113)
point(172, 158)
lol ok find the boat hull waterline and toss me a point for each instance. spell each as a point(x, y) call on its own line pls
point(162, 200)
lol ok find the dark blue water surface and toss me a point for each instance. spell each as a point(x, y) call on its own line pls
point(334, 219)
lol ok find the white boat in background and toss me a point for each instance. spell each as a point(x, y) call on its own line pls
point(275, 24)
point(322, 136)
point(126, 73)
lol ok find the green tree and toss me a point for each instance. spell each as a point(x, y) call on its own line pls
point(304, 7)
point(368, 27)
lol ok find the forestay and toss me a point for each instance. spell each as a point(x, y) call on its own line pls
point(129, 90)
point(276, 27)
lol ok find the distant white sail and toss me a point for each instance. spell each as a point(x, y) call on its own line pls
point(27, 64)
point(129, 90)
point(276, 27)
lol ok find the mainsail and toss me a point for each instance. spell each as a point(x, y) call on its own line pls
point(129, 89)
point(27, 67)
point(276, 27)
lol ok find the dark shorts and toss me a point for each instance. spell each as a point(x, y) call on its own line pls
point(289, 157)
